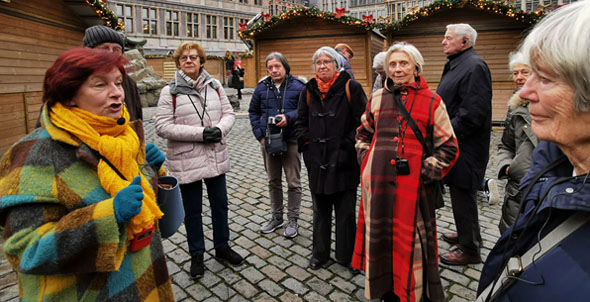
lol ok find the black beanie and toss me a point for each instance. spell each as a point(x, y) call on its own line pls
point(99, 34)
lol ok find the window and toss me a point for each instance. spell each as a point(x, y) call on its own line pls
point(150, 20)
point(192, 25)
point(125, 13)
point(211, 26)
point(244, 1)
point(228, 28)
point(257, 2)
point(172, 21)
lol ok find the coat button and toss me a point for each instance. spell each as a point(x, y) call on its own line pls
point(395, 139)
point(392, 162)
point(569, 190)
point(525, 126)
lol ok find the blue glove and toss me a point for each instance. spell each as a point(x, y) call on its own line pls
point(128, 201)
point(154, 156)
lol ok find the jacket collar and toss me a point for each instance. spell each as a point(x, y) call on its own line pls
point(420, 83)
point(458, 58)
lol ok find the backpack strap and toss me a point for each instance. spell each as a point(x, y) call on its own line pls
point(347, 88)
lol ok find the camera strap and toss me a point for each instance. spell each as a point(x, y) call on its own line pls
point(406, 115)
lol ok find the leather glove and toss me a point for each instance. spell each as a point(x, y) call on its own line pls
point(128, 201)
point(212, 135)
point(154, 156)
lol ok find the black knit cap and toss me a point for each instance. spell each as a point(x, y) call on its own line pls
point(99, 34)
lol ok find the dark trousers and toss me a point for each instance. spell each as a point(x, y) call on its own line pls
point(239, 94)
point(464, 202)
point(344, 205)
point(192, 198)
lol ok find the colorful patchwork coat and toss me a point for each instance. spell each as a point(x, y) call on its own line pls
point(396, 241)
point(60, 231)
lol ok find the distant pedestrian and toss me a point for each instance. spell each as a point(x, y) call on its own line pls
point(466, 88)
point(195, 116)
point(345, 53)
point(273, 109)
point(329, 112)
point(238, 77)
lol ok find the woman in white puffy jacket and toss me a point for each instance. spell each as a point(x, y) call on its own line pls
point(195, 116)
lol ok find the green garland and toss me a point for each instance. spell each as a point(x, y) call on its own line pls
point(106, 14)
point(495, 7)
point(304, 11)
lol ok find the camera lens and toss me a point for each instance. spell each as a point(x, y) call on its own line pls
point(278, 119)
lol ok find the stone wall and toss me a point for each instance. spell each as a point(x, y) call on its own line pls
point(149, 83)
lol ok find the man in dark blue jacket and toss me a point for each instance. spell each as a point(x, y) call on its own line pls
point(273, 109)
point(466, 89)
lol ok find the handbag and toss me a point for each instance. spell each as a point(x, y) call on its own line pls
point(230, 80)
point(170, 202)
point(274, 144)
point(435, 188)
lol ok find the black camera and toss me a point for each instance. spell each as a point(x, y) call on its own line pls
point(402, 166)
point(273, 120)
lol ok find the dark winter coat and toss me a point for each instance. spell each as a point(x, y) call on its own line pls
point(562, 274)
point(515, 150)
point(267, 101)
point(325, 134)
point(466, 89)
point(237, 78)
point(132, 100)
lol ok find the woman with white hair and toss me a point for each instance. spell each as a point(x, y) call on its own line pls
point(329, 111)
point(378, 61)
point(405, 141)
point(518, 141)
point(544, 255)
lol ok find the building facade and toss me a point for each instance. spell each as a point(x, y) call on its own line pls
point(166, 24)
point(358, 8)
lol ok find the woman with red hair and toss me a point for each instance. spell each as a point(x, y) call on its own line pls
point(76, 197)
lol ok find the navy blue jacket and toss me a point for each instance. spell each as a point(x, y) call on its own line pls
point(266, 102)
point(466, 89)
point(563, 273)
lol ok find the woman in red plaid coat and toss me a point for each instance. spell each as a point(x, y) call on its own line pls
point(396, 240)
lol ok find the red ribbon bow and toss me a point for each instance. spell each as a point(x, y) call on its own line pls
point(243, 26)
point(266, 16)
point(340, 12)
point(368, 18)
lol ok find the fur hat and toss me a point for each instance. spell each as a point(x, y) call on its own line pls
point(99, 34)
point(342, 46)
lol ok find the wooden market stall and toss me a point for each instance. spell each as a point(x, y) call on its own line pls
point(500, 30)
point(297, 34)
point(32, 35)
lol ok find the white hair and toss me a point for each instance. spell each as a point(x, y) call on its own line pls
point(330, 52)
point(410, 50)
point(561, 41)
point(379, 60)
point(464, 30)
point(516, 57)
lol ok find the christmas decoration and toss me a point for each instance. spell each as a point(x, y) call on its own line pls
point(386, 24)
point(107, 15)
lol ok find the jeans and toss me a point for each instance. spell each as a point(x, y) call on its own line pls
point(192, 198)
point(290, 162)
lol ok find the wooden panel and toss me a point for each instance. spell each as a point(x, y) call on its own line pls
point(249, 65)
point(27, 49)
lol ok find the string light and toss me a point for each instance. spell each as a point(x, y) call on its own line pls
point(107, 15)
point(496, 7)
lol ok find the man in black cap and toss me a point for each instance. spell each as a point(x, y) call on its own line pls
point(102, 37)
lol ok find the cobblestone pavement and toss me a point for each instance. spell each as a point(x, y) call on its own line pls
point(276, 268)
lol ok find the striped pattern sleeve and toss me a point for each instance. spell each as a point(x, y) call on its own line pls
point(365, 133)
point(446, 146)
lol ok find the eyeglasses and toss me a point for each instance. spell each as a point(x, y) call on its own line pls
point(184, 58)
point(324, 62)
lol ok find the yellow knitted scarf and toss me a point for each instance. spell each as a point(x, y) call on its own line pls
point(120, 145)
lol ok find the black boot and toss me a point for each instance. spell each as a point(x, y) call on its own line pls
point(226, 253)
point(197, 266)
